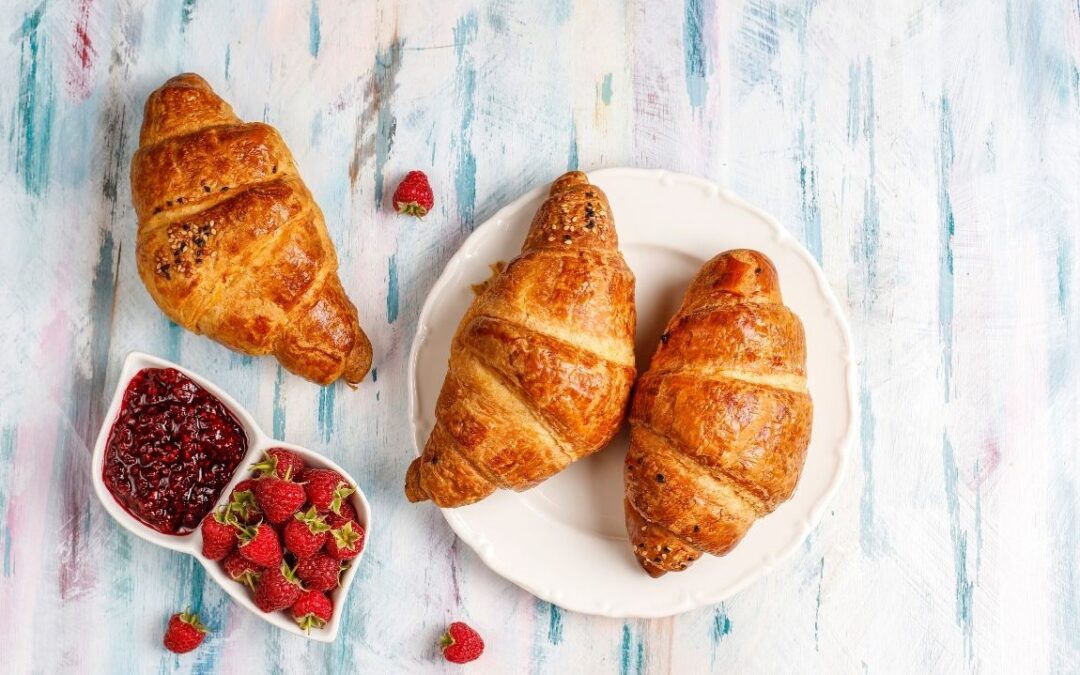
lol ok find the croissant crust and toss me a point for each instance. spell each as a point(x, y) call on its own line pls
point(231, 243)
point(542, 363)
point(721, 420)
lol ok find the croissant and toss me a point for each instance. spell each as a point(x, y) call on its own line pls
point(541, 364)
point(720, 422)
point(231, 243)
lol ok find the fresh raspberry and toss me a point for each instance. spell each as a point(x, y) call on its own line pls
point(312, 610)
point(347, 511)
point(345, 542)
point(278, 498)
point(218, 533)
point(461, 644)
point(306, 533)
point(319, 572)
point(284, 463)
point(245, 485)
point(259, 544)
point(242, 570)
point(184, 632)
point(326, 489)
point(347, 514)
point(242, 502)
point(413, 195)
point(278, 588)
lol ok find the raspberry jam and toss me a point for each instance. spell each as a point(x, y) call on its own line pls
point(172, 450)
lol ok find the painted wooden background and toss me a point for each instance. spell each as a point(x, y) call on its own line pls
point(926, 152)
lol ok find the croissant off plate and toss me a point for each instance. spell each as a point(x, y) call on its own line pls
point(231, 244)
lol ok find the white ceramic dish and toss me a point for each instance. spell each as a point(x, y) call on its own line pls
point(565, 541)
point(191, 543)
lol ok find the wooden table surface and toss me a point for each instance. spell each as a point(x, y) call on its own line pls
point(927, 153)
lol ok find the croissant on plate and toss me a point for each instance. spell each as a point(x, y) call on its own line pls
point(542, 363)
point(231, 243)
point(720, 422)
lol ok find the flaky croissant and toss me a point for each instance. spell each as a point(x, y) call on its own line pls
point(542, 363)
point(720, 422)
point(231, 243)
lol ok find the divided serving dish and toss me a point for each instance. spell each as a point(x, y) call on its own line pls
point(191, 542)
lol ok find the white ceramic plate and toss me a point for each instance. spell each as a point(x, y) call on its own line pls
point(191, 543)
point(564, 541)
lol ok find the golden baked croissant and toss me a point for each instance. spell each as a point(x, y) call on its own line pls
point(231, 243)
point(542, 363)
point(720, 422)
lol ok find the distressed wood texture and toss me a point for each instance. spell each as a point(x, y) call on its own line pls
point(927, 153)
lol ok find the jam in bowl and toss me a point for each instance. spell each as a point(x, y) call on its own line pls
point(172, 450)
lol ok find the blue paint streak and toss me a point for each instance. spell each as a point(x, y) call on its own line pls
point(326, 411)
point(964, 587)
point(1064, 265)
point(187, 10)
point(625, 650)
point(273, 657)
point(605, 90)
point(7, 455)
point(392, 290)
point(721, 625)
point(173, 335)
point(1046, 66)
point(197, 575)
point(854, 124)
point(228, 60)
point(387, 65)
point(862, 127)
point(811, 211)
point(759, 39)
point(560, 10)
point(631, 653)
point(871, 212)
point(279, 404)
point(314, 33)
point(213, 614)
point(36, 107)
point(374, 374)
point(1060, 371)
point(554, 624)
point(695, 52)
point(801, 21)
point(189, 586)
point(1010, 38)
point(496, 17)
point(465, 172)
point(1064, 492)
point(868, 538)
point(572, 159)
point(946, 289)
